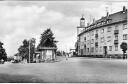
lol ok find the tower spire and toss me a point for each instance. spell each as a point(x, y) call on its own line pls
point(82, 15)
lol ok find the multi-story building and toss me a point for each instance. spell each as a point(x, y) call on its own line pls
point(103, 37)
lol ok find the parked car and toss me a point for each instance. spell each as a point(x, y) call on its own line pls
point(16, 61)
point(1, 61)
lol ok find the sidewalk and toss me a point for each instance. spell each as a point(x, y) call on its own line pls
point(85, 59)
point(101, 58)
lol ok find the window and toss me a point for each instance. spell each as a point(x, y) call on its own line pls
point(100, 48)
point(92, 49)
point(88, 49)
point(96, 31)
point(92, 41)
point(108, 21)
point(102, 30)
point(109, 38)
point(84, 38)
point(92, 33)
point(102, 39)
point(116, 37)
point(116, 47)
point(116, 27)
point(85, 48)
point(109, 29)
point(88, 42)
point(96, 49)
point(81, 51)
point(124, 26)
point(125, 37)
point(104, 22)
point(99, 23)
point(110, 48)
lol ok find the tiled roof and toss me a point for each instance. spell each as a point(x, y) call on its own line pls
point(113, 18)
point(119, 16)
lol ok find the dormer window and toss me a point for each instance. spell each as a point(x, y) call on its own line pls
point(107, 21)
point(110, 20)
point(96, 24)
point(100, 23)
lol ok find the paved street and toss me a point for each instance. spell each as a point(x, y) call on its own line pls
point(76, 69)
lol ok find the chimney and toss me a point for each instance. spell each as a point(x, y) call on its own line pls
point(124, 8)
point(107, 14)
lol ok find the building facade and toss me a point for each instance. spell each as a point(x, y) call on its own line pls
point(104, 36)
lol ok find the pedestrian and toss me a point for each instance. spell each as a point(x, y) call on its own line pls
point(66, 55)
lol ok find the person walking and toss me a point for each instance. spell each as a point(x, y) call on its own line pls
point(66, 55)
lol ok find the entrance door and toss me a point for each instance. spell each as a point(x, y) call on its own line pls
point(105, 51)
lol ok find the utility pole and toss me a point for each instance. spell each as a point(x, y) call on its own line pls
point(29, 51)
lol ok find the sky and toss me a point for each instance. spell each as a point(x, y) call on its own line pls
point(21, 20)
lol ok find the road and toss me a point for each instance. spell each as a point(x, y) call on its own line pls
point(73, 70)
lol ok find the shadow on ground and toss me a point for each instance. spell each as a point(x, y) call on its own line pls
point(7, 78)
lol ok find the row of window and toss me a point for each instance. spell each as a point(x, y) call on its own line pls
point(116, 48)
point(116, 28)
point(109, 29)
point(101, 48)
point(109, 38)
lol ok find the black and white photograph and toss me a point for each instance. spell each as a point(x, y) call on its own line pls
point(63, 41)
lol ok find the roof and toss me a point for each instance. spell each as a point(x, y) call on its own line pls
point(112, 18)
point(47, 48)
point(82, 18)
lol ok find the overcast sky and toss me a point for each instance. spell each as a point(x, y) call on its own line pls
point(21, 20)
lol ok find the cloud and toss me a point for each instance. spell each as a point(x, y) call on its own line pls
point(24, 20)
point(21, 22)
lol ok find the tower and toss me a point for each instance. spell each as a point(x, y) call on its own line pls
point(82, 21)
point(81, 27)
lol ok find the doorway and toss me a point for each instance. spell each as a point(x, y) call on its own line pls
point(105, 51)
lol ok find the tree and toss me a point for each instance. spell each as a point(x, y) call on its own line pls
point(3, 54)
point(10, 58)
point(47, 39)
point(123, 46)
point(23, 50)
point(27, 47)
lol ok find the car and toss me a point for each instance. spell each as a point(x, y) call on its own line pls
point(16, 61)
point(1, 61)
